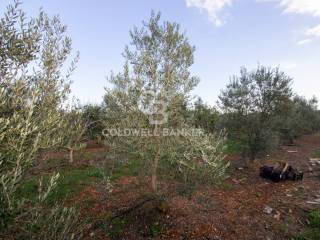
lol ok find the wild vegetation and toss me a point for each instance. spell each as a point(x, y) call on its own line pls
point(64, 174)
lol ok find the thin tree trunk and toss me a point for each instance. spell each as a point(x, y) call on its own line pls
point(70, 155)
point(154, 171)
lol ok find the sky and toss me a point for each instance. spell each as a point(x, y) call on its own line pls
point(227, 34)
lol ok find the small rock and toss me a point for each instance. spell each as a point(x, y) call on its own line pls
point(292, 151)
point(277, 216)
point(267, 210)
point(235, 181)
point(315, 201)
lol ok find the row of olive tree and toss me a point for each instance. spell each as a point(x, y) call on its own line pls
point(151, 93)
point(34, 115)
point(259, 111)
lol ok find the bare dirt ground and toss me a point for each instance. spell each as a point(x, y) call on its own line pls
point(245, 206)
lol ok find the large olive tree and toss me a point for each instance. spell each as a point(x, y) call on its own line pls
point(150, 94)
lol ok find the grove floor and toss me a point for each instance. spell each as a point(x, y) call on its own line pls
point(237, 209)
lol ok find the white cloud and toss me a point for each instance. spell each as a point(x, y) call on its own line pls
point(304, 41)
point(313, 32)
point(301, 6)
point(212, 7)
point(311, 7)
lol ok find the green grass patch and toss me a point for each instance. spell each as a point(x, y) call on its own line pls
point(156, 229)
point(313, 230)
point(314, 218)
point(131, 168)
point(309, 234)
point(316, 153)
point(71, 181)
point(234, 147)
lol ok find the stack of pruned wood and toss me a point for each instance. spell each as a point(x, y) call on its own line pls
point(282, 171)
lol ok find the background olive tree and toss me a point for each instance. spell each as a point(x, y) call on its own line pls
point(204, 116)
point(304, 116)
point(74, 128)
point(251, 103)
point(93, 115)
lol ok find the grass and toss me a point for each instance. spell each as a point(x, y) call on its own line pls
point(314, 218)
point(71, 181)
point(316, 153)
point(156, 229)
point(131, 168)
point(186, 190)
point(86, 156)
point(234, 147)
point(116, 228)
point(313, 230)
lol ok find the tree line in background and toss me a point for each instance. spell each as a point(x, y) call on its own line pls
point(258, 109)
point(256, 112)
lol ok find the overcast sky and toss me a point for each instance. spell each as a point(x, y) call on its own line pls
point(227, 34)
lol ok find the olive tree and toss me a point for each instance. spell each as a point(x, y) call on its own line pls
point(93, 114)
point(305, 116)
point(149, 95)
point(250, 104)
point(301, 117)
point(33, 90)
point(72, 131)
point(204, 116)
